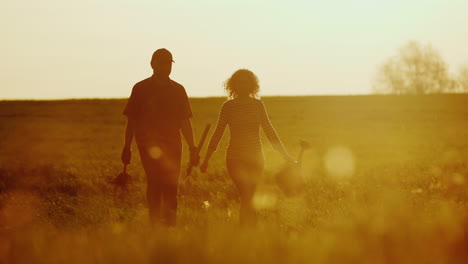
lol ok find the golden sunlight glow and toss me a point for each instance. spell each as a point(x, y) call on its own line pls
point(264, 199)
point(339, 162)
point(319, 47)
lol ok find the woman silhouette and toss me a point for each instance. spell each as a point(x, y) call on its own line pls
point(244, 113)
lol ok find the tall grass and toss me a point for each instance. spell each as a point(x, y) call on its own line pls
point(402, 199)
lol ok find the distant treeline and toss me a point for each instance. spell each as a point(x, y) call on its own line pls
point(419, 69)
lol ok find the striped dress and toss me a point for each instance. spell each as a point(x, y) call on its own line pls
point(244, 118)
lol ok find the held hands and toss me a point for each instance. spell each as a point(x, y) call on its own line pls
point(194, 156)
point(195, 159)
point(204, 166)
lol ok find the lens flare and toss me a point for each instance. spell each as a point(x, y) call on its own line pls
point(155, 152)
point(264, 199)
point(339, 162)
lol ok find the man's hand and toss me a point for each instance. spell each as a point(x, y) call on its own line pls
point(194, 156)
point(126, 155)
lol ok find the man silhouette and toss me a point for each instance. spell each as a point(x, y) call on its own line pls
point(157, 111)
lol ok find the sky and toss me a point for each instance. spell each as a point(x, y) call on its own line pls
point(54, 49)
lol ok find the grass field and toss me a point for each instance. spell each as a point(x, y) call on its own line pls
point(387, 182)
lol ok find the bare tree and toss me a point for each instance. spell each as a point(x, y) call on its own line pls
point(463, 79)
point(417, 69)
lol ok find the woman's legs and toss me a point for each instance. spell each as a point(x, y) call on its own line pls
point(246, 175)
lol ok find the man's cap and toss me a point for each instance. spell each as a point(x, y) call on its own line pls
point(161, 55)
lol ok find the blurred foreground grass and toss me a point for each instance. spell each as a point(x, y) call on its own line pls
point(387, 181)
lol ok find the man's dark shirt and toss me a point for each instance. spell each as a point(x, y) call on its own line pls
point(157, 107)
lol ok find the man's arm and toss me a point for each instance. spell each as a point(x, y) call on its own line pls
point(129, 133)
point(187, 132)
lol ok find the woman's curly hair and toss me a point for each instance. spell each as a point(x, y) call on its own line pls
point(242, 81)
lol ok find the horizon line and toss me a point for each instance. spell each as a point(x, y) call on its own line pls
point(216, 97)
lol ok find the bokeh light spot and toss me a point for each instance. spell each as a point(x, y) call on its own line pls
point(264, 199)
point(155, 152)
point(417, 190)
point(339, 162)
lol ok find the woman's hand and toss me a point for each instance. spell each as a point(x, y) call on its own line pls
point(290, 159)
point(204, 166)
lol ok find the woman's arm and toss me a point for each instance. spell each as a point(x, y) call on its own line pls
point(216, 136)
point(271, 133)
